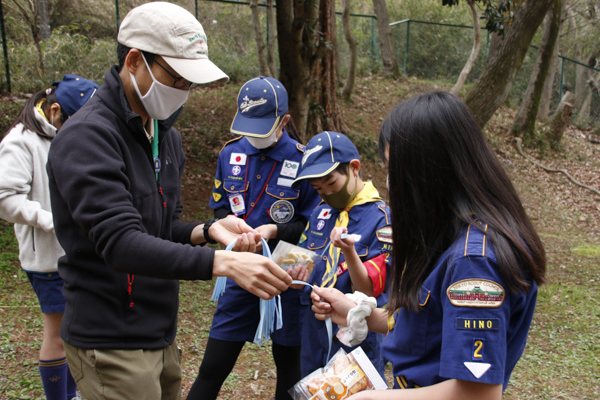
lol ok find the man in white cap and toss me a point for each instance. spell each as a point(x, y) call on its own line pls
point(115, 172)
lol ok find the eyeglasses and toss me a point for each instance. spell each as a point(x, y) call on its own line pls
point(180, 82)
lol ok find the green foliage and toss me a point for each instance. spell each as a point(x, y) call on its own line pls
point(8, 242)
point(62, 53)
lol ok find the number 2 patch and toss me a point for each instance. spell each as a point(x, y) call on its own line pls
point(478, 347)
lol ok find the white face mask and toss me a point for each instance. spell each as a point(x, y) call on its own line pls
point(264, 142)
point(161, 100)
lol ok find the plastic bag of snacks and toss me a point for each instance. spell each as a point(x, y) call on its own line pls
point(288, 256)
point(343, 376)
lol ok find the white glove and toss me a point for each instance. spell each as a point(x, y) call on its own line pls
point(357, 328)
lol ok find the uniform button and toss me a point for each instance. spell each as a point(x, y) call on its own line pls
point(252, 204)
point(312, 244)
point(281, 193)
point(232, 187)
point(262, 158)
point(258, 176)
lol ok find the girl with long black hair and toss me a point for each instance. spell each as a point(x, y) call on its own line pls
point(466, 259)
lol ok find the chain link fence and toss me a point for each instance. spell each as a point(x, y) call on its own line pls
point(83, 42)
point(437, 51)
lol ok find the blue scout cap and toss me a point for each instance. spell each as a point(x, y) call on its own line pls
point(73, 91)
point(261, 103)
point(324, 153)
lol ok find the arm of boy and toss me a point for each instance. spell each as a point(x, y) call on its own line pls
point(358, 272)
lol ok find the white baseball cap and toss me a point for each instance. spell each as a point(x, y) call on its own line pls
point(172, 32)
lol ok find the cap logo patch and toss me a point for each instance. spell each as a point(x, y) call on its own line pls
point(247, 104)
point(478, 293)
point(308, 152)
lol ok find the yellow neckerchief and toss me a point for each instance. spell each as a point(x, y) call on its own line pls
point(38, 107)
point(367, 195)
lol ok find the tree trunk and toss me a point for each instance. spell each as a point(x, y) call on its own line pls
point(272, 23)
point(505, 58)
point(44, 20)
point(260, 43)
point(474, 52)
point(560, 119)
point(544, 109)
point(524, 124)
point(296, 32)
point(583, 91)
point(388, 58)
point(328, 116)
point(349, 85)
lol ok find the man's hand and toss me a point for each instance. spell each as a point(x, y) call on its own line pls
point(255, 273)
point(329, 302)
point(232, 228)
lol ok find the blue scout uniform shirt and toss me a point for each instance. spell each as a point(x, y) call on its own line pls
point(470, 326)
point(243, 173)
point(372, 222)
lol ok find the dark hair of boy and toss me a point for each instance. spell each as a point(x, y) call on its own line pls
point(27, 114)
point(443, 175)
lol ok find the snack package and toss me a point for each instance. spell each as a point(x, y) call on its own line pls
point(344, 375)
point(288, 256)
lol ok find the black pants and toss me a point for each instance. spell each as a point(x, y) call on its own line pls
point(220, 358)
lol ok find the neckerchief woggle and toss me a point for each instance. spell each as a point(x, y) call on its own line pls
point(269, 309)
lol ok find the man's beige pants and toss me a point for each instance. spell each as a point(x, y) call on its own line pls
point(126, 374)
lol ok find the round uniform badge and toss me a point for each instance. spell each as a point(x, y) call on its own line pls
point(281, 211)
point(156, 165)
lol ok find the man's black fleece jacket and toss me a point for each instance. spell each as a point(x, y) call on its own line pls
point(125, 245)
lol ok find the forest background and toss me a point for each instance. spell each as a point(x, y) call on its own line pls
point(430, 44)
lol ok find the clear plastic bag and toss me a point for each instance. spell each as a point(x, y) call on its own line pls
point(288, 256)
point(344, 375)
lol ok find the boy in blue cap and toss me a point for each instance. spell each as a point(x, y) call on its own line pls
point(255, 172)
point(358, 262)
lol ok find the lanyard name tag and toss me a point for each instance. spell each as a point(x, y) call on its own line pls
point(236, 201)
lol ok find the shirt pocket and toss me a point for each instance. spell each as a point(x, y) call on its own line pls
point(232, 186)
point(283, 193)
point(361, 250)
point(314, 242)
point(410, 330)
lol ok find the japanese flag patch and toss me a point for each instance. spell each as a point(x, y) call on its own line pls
point(325, 213)
point(237, 159)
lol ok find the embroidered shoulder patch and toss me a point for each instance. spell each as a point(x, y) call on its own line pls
point(302, 239)
point(217, 183)
point(300, 147)
point(385, 234)
point(216, 196)
point(478, 293)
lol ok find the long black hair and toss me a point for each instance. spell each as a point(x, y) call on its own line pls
point(27, 114)
point(444, 176)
